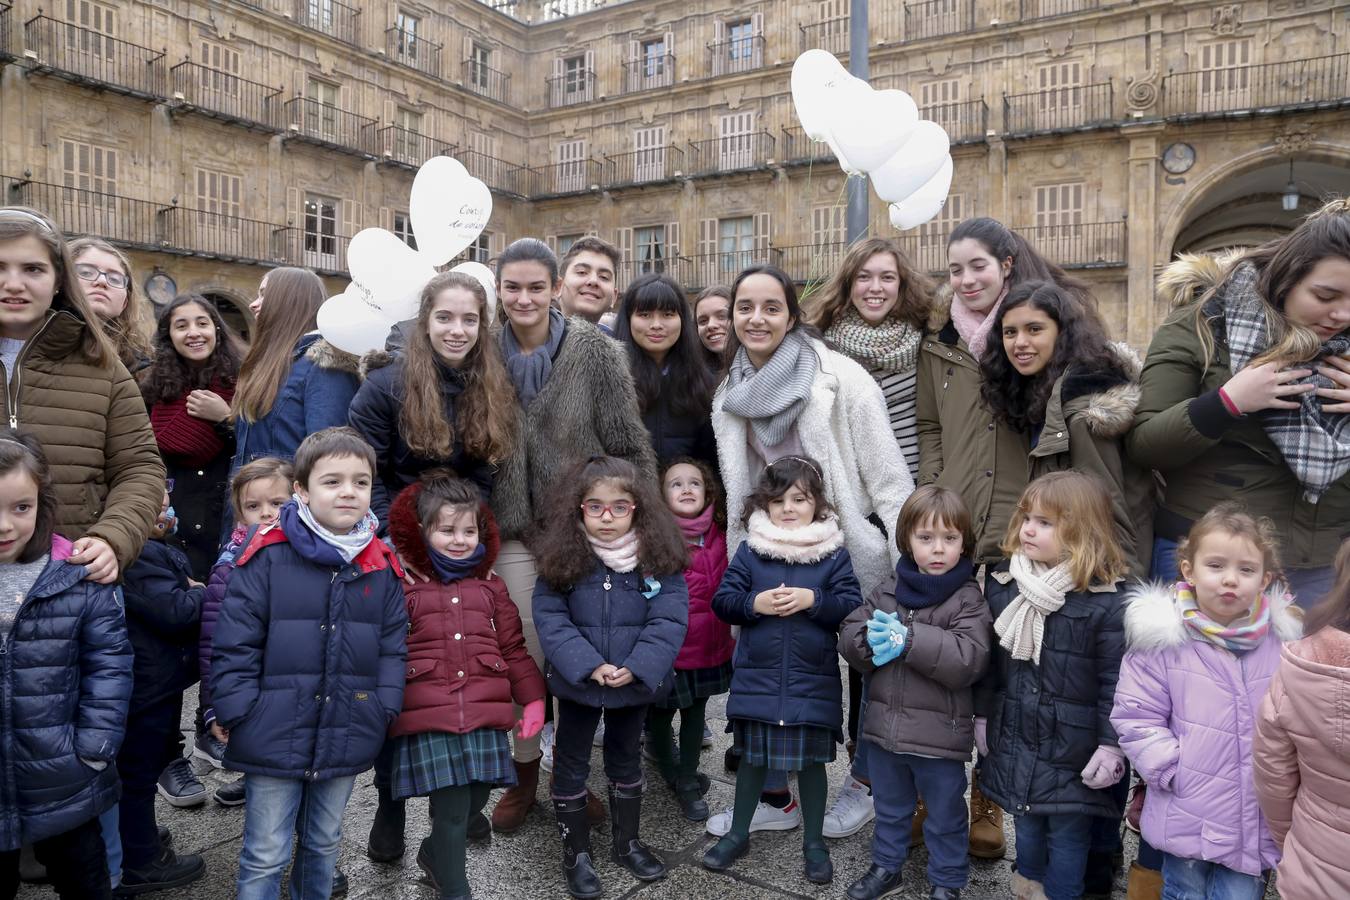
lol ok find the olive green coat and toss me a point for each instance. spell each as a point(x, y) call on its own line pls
point(1204, 454)
point(106, 468)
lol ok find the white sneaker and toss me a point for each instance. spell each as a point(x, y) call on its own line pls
point(707, 737)
point(599, 739)
point(546, 747)
point(767, 818)
point(852, 809)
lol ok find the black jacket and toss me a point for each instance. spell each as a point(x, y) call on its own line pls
point(164, 615)
point(1046, 721)
point(674, 434)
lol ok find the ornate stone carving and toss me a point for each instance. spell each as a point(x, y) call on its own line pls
point(1226, 19)
point(939, 62)
point(1058, 44)
point(1142, 93)
point(1295, 139)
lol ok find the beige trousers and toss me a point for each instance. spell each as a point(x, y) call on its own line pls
point(515, 565)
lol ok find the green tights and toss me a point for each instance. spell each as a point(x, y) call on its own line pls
point(451, 809)
point(660, 722)
point(811, 782)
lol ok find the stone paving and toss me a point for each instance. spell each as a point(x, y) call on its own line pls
point(526, 864)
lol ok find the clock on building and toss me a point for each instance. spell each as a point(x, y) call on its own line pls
point(1178, 158)
point(161, 288)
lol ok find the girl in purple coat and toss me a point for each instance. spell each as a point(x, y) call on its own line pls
point(703, 667)
point(1201, 654)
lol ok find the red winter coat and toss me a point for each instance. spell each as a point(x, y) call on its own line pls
point(467, 660)
point(708, 642)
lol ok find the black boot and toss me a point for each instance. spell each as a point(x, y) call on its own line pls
point(625, 806)
point(582, 882)
point(689, 792)
point(168, 870)
point(385, 844)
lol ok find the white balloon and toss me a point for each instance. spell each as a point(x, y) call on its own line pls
point(809, 74)
point(918, 160)
point(351, 323)
point(448, 207)
point(485, 278)
point(390, 274)
point(926, 202)
point(870, 126)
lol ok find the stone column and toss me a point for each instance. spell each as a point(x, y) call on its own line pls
point(1143, 254)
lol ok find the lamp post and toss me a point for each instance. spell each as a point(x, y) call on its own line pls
point(857, 219)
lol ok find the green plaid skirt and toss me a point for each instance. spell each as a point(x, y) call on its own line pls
point(433, 760)
point(783, 748)
point(696, 684)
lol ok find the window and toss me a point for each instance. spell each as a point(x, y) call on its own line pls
point(573, 79)
point(320, 232)
point(218, 193)
point(321, 119)
point(565, 242)
point(220, 70)
point(1061, 93)
point(932, 255)
point(91, 172)
point(649, 157)
point(480, 66)
point(1225, 80)
point(574, 74)
point(320, 14)
point(654, 59)
point(938, 102)
point(405, 50)
point(96, 42)
point(406, 144)
point(735, 244)
point(403, 229)
point(480, 250)
point(828, 225)
point(738, 44)
point(736, 145)
point(480, 142)
point(649, 245)
point(571, 168)
point(740, 36)
point(1059, 204)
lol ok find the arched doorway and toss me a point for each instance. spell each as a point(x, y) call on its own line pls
point(234, 310)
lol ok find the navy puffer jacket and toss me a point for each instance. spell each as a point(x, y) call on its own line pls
point(163, 618)
point(65, 681)
point(606, 618)
point(1046, 721)
point(787, 667)
point(307, 660)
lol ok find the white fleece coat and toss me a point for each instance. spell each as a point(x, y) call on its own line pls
point(846, 429)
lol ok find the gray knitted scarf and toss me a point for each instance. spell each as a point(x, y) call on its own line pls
point(772, 397)
point(892, 346)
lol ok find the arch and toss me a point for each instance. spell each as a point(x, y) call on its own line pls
point(232, 305)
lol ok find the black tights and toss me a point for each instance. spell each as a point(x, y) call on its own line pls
point(451, 809)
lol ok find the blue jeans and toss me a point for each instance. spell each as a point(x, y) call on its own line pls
point(112, 844)
point(1195, 879)
point(898, 780)
point(276, 810)
point(1054, 850)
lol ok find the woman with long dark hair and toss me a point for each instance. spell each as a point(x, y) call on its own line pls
point(188, 388)
point(674, 384)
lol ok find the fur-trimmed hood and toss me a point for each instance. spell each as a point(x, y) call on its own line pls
point(405, 532)
point(326, 356)
point(940, 313)
point(1153, 620)
point(1105, 400)
point(1191, 275)
point(372, 360)
point(806, 545)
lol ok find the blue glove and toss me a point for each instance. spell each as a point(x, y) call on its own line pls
point(886, 635)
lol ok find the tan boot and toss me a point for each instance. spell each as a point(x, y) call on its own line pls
point(595, 810)
point(916, 826)
point(516, 802)
point(986, 826)
point(1144, 884)
point(1026, 889)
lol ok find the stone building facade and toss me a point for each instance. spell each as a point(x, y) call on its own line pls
point(216, 138)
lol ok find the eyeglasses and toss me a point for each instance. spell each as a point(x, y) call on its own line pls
point(620, 510)
point(86, 272)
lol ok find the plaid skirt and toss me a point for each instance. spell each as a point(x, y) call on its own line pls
point(783, 748)
point(433, 760)
point(697, 684)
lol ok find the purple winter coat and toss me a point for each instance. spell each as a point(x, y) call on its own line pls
point(215, 593)
point(1185, 712)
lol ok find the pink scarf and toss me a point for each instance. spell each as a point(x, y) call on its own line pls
point(974, 328)
point(694, 529)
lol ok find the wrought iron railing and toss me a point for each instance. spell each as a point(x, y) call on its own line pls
point(498, 174)
point(6, 28)
point(412, 50)
point(332, 17)
point(643, 73)
point(794, 146)
point(831, 35)
point(736, 55)
point(572, 177)
point(1045, 9)
point(965, 122)
point(1322, 81)
point(730, 153)
point(935, 18)
point(704, 269)
point(486, 81)
point(400, 145)
point(643, 166)
point(806, 263)
point(571, 88)
point(83, 54)
point(320, 123)
point(222, 95)
point(1080, 245)
point(1070, 108)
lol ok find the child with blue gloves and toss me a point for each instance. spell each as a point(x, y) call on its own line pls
point(921, 641)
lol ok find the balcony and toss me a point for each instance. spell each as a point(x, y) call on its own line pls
point(935, 18)
point(6, 38)
point(1087, 245)
point(831, 35)
point(408, 49)
point(409, 148)
point(498, 174)
point(576, 176)
point(1322, 82)
point(486, 81)
point(925, 252)
point(644, 73)
point(736, 55)
point(328, 126)
point(965, 123)
point(706, 269)
point(91, 58)
point(796, 148)
point(643, 166)
point(220, 95)
point(677, 267)
point(1059, 110)
point(808, 263)
point(332, 17)
point(570, 88)
point(1027, 10)
point(733, 153)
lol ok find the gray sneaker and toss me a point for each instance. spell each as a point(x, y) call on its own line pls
point(231, 794)
point(209, 750)
point(179, 787)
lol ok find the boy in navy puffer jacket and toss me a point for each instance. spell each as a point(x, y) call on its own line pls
point(307, 665)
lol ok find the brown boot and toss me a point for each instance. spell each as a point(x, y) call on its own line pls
point(916, 826)
point(516, 802)
point(1144, 884)
point(986, 826)
point(595, 810)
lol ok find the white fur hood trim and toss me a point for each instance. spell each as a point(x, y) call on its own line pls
point(1153, 621)
point(808, 544)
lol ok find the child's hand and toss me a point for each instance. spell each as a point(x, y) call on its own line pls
point(192, 582)
point(410, 575)
point(220, 734)
point(1105, 768)
point(788, 601)
point(603, 673)
point(765, 601)
point(891, 646)
point(531, 719)
point(620, 677)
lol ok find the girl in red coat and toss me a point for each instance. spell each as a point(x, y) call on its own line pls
point(703, 668)
point(467, 662)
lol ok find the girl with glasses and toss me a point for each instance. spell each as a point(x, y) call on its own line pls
point(105, 276)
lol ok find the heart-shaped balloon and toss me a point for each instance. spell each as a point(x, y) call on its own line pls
point(914, 164)
point(925, 203)
point(870, 126)
point(391, 273)
point(485, 277)
point(350, 322)
point(449, 208)
point(810, 72)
